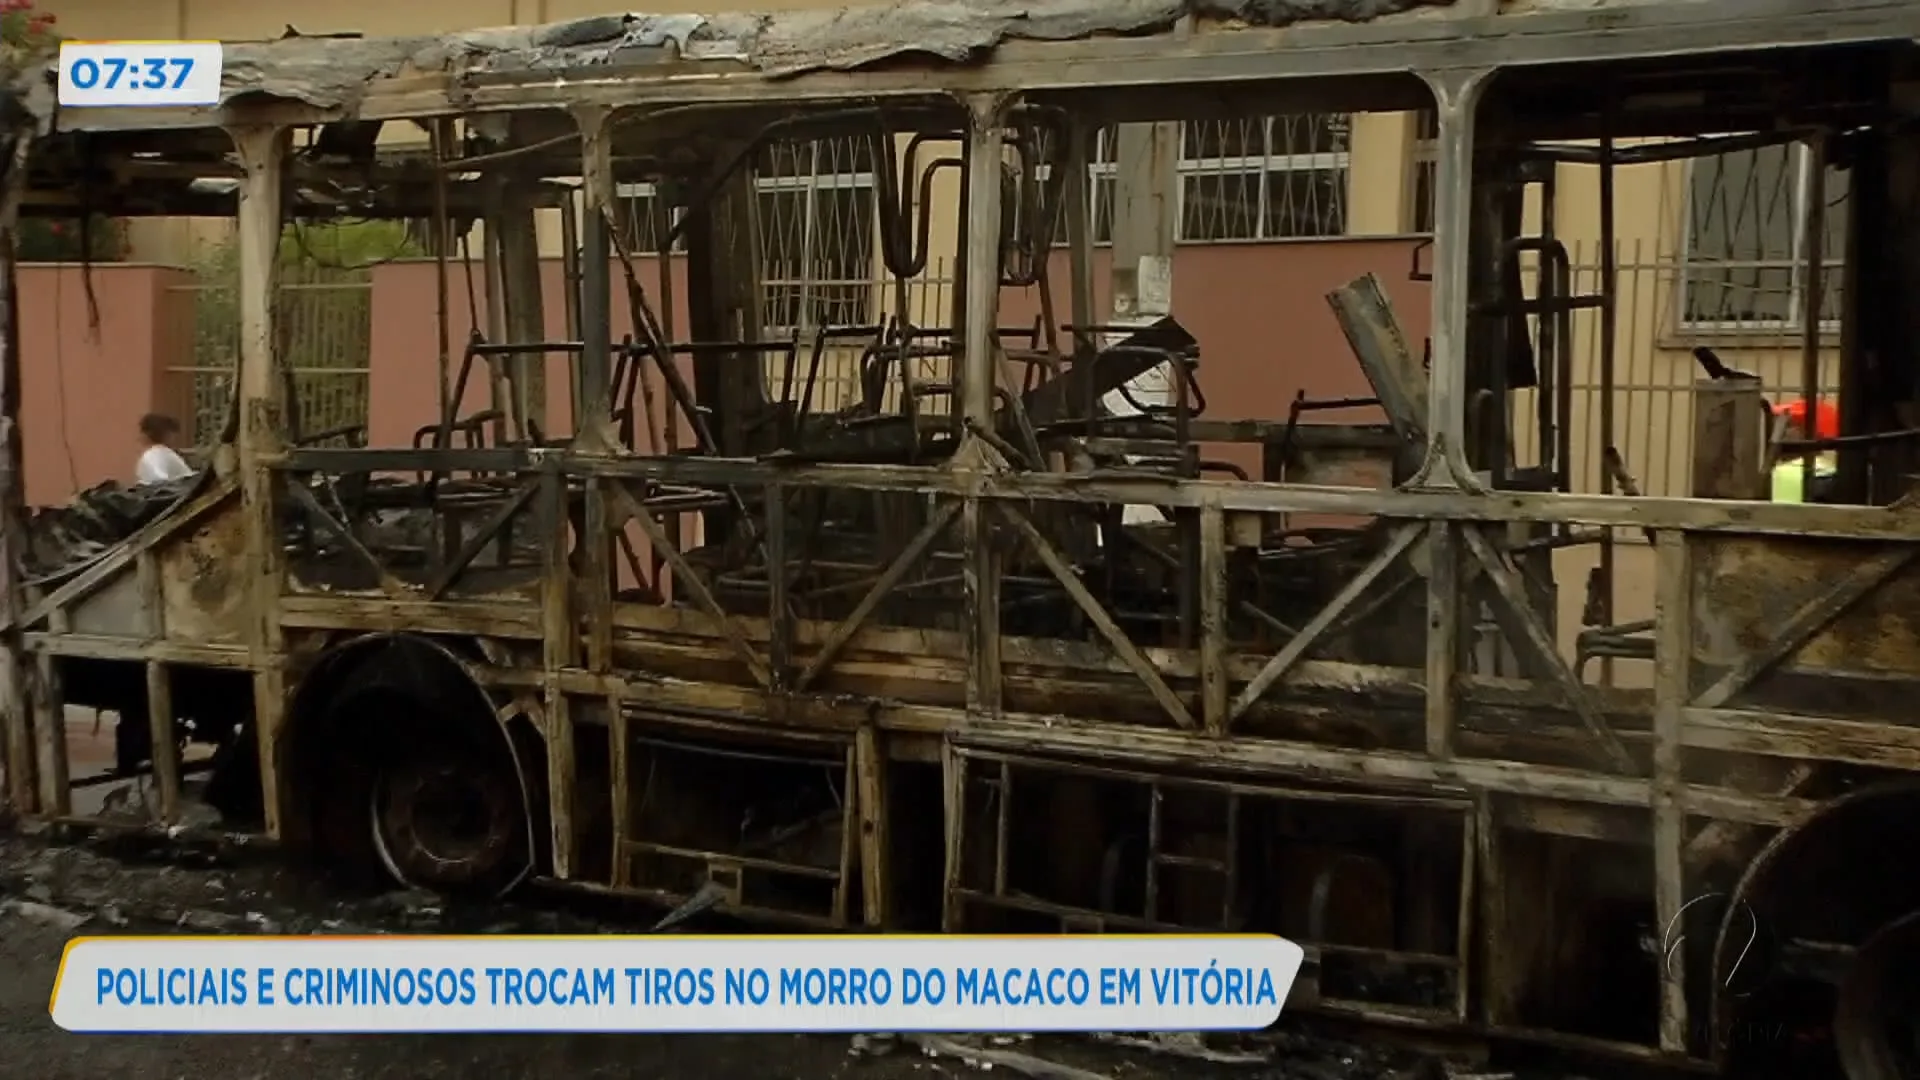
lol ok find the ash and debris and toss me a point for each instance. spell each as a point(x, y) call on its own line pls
point(53, 888)
point(62, 540)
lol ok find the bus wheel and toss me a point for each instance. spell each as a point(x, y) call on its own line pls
point(447, 822)
point(1876, 1025)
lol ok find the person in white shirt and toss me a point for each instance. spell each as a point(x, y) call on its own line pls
point(158, 462)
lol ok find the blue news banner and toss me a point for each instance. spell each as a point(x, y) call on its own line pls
point(816, 983)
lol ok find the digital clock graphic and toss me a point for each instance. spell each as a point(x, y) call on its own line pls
point(139, 73)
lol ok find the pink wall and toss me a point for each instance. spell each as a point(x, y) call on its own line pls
point(83, 392)
point(1258, 310)
point(1260, 314)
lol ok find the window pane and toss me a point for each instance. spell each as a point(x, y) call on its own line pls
point(844, 156)
point(1746, 216)
point(840, 262)
point(783, 234)
point(1740, 236)
point(1306, 202)
point(1220, 206)
point(636, 217)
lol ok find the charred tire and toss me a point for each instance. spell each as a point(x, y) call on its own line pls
point(407, 774)
point(1876, 1025)
point(1842, 879)
point(447, 819)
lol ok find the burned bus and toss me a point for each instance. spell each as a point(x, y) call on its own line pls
point(967, 615)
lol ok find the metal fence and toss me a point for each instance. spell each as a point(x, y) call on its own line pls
point(324, 319)
point(1654, 371)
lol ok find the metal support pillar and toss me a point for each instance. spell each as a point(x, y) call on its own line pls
point(979, 365)
point(1456, 98)
point(985, 158)
point(492, 276)
point(526, 316)
point(522, 305)
point(16, 751)
point(1078, 210)
point(262, 151)
point(1672, 689)
point(593, 379)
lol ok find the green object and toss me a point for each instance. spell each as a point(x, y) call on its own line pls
point(1790, 477)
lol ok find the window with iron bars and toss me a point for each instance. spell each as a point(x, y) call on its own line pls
point(1743, 259)
point(636, 215)
point(816, 232)
point(1265, 178)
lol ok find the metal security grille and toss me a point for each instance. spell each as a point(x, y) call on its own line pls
point(816, 231)
point(817, 223)
point(1262, 178)
point(1746, 215)
point(325, 321)
point(638, 218)
point(1654, 373)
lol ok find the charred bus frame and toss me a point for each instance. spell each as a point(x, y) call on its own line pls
point(493, 697)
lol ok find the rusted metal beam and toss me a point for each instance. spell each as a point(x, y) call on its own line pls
point(953, 785)
point(50, 731)
point(560, 639)
point(1538, 641)
point(595, 553)
point(1275, 669)
point(1673, 668)
point(262, 151)
point(779, 607)
point(1214, 588)
point(389, 584)
point(473, 543)
point(685, 577)
point(980, 344)
point(1128, 652)
point(1155, 62)
point(17, 739)
point(871, 772)
point(1373, 333)
point(166, 739)
point(889, 579)
point(1445, 604)
point(1693, 515)
point(1457, 93)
